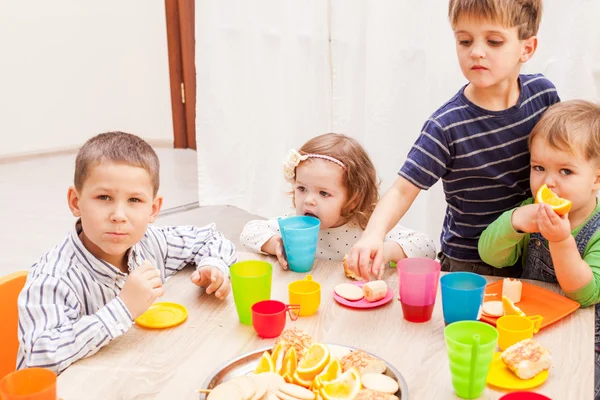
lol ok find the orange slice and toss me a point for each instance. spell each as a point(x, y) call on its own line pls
point(510, 308)
point(265, 364)
point(290, 362)
point(559, 205)
point(346, 386)
point(315, 360)
point(277, 356)
point(332, 371)
point(302, 382)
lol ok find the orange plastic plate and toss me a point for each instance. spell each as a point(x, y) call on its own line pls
point(534, 301)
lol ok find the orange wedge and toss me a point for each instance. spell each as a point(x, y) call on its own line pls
point(559, 205)
point(290, 362)
point(315, 361)
point(302, 382)
point(510, 308)
point(277, 355)
point(265, 364)
point(346, 386)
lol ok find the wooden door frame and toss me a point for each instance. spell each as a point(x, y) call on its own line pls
point(181, 43)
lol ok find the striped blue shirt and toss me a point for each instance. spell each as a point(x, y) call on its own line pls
point(481, 157)
point(69, 307)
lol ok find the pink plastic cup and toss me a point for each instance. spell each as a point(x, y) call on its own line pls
point(419, 279)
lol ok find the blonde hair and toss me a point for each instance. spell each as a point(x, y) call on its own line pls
point(360, 177)
point(120, 148)
point(569, 126)
point(524, 14)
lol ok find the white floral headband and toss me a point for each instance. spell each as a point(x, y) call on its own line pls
point(294, 158)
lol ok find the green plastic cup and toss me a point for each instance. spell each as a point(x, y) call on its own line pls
point(250, 283)
point(471, 346)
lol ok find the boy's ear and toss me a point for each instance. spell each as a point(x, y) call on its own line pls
point(529, 48)
point(156, 206)
point(596, 185)
point(73, 200)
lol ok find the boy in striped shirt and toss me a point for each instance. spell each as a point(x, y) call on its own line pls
point(476, 142)
point(111, 267)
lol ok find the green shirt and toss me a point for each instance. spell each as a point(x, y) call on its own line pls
point(501, 246)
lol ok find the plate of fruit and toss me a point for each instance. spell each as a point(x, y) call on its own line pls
point(297, 367)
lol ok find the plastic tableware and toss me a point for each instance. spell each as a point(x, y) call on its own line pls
point(470, 346)
point(362, 303)
point(462, 296)
point(307, 293)
point(162, 315)
point(524, 396)
point(269, 317)
point(419, 279)
point(514, 328)
point(29, 384)
point(300, 235)
point(502, 377)
point(250, 283)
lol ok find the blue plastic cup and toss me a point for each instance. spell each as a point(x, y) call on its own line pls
point(300, 235)
point(462, 296)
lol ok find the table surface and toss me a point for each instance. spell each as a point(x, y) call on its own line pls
point(173, 363)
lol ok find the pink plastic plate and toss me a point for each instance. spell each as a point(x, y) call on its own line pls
point(362, 303)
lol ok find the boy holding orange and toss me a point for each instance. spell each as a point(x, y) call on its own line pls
point(558, 238)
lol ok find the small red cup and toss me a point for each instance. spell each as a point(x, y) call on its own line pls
point(268, 317)
point(524, 396)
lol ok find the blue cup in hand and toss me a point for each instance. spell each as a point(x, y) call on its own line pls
point(300, 235)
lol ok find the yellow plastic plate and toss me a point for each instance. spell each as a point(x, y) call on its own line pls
point(162, 315)
point(502, 377)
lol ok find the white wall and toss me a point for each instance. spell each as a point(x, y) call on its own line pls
point(71, 69)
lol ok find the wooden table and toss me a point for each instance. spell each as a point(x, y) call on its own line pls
point(173, 363)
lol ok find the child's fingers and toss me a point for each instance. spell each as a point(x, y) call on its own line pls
point(224, 290)
point(280, 257)
point(155, 282)
point(377, 263)
point(214, 285)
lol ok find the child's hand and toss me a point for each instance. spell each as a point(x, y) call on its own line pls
point(366, 258)
point(525, 218)
point(213, 280)
point(554, 227)
point(274, 246)
point(141, 288)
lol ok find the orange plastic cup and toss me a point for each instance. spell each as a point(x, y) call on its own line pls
point(29, 384)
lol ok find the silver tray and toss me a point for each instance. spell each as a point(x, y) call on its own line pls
point(245, 364)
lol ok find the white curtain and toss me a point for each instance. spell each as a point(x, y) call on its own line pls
point(272, 74)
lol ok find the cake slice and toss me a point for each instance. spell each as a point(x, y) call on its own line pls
point(527, 358)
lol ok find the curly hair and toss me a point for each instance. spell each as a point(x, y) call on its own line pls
point(360, 177)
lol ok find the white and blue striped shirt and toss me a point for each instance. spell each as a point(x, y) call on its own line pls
point(69, 307)
point(481, 157)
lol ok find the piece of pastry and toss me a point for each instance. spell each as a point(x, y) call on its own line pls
point(349, 273)
point(348, 291)
point(512, 288)
point(368, 394)
point(294, 337)
point(363, 362)
point(527, 358)
point(374, 290)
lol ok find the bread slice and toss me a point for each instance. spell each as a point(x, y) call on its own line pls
point(349, 273)
point(527, 358)
point(363, 362)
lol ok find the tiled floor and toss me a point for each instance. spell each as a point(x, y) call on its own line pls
point(35, 216)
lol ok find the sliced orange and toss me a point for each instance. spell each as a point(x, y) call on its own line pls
point(546, 195)
point(302, 382)
point(510, 308)
point(346, 386)
point(277, 355)
point(265, 364)
point(330, 373)
point(290, 362)
point(315, 361)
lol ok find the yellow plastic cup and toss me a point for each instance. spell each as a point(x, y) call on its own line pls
point(307, 293)
point(514, 328)
point(29, 384)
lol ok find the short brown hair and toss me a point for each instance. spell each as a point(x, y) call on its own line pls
point(524, 14)
point(571, 125)
point(360, 177)
point(116, 147)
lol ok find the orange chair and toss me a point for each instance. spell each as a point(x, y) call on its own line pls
point(10, 287)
